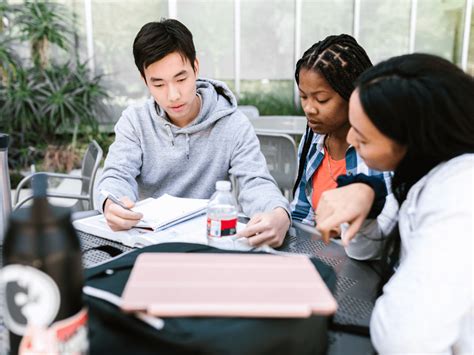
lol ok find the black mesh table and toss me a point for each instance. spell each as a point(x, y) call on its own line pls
point(356, 289)
point(356, 284)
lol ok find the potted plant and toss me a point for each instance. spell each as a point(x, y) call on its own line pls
point(44, 103)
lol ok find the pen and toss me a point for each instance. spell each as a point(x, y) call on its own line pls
point(116, 200)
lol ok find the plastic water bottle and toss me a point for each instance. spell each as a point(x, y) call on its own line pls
point(222, 212)
point(42, 280)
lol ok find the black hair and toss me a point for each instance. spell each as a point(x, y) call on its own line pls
point(155, 40)
point(424, 103)
point(340, 59)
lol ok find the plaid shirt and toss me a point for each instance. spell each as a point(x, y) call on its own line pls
point(301, 208)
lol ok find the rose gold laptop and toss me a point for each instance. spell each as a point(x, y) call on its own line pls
point(230, 285)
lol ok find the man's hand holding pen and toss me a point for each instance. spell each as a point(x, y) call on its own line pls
point(118, 213)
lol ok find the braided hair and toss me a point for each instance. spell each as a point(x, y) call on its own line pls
point(340, 59)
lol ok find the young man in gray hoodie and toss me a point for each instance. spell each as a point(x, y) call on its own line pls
point(186, 137)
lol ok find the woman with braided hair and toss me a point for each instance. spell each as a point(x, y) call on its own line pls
point(325, 76)
point(414, 114)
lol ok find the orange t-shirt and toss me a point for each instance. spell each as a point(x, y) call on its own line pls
point(322, 179)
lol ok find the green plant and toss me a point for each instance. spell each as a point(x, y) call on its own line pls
point(271, 98)
point(51, 101)
point(18, 107)
point(8, 60)
point(21, 156)
point(68, 98)
point(4, 12)
point(45, 104)
point(270, 104)
point(103, 138)
point(42, 23)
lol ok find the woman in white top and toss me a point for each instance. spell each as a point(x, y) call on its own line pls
point(414, 114)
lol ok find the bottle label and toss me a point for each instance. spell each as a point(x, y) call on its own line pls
point(31, 297)
point(221, 228)
point(67, 336)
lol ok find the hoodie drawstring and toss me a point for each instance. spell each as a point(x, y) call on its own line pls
point(187, 146)
point(170, 134)
point(171, 138)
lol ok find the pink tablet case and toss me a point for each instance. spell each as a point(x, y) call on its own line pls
point(245, 285)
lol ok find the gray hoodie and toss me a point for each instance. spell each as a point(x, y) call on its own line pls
point(151, 156)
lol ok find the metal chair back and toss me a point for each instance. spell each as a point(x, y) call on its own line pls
point(281, 155)
point(249, 111)
point(90, 165)
point(85, 199)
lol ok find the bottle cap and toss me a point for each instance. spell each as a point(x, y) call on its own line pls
point(223, 185)
point(39, 183)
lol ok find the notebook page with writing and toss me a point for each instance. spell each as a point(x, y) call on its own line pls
point(163, 212)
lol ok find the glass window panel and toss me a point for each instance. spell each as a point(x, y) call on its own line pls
point(267, 38)
point(271, 97)
point(470, 58)
point(267, 31)
point(56, 55)
point(80, 41)
point(212, 25)
point(439, 28)
point(115, 25)
point(322, 18)
point(384, 28)
point(267, 47)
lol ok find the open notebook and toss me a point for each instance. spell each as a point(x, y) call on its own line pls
point(174, 219)
point(169, 218)
point(232, 285)
point(166, 211)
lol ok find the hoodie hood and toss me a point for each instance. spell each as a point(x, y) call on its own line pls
point(151, 156)
point(217, 101)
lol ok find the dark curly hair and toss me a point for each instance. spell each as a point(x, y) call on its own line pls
point(340, 59)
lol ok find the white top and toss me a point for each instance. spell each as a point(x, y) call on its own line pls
point(427, 306)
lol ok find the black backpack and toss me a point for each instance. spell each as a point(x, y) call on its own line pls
point(113, 332)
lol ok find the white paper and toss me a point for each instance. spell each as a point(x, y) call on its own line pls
point(160, 213)
point(155, 322)
point(190, 231)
